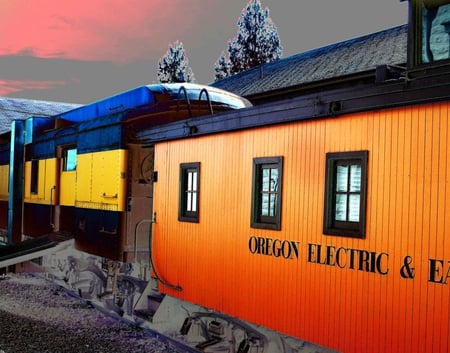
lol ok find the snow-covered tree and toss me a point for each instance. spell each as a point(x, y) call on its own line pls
point(257, 42)
point(174, 65)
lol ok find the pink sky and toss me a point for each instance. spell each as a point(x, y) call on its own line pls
point(52, 49)
point(111, 30)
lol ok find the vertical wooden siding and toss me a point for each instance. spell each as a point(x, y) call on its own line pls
point(408, 218)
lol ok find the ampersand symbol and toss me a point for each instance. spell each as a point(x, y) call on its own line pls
point(406, 271)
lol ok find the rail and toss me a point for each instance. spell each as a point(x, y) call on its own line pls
point(188, 102)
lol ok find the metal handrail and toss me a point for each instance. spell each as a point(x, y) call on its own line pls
point(182, 88)
point(207, 99)
point(150, 248)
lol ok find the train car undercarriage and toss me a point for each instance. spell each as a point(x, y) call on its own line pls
point(129, 292)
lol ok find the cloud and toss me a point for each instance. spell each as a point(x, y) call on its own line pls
point(12, 86)
point(117, 31)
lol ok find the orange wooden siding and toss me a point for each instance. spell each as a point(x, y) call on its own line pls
point(408, 218)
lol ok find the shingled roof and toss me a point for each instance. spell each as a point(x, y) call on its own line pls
point(20, 109)
point(344, 58)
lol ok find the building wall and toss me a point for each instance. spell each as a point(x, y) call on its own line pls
point(403, 307)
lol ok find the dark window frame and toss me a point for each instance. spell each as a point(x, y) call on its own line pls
point(331, 226)
point(189, 212)
point(65, 157)
point(34, 177)
point(258, 220)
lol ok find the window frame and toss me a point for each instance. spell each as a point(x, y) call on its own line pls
point(65, 158)
point(331, 226)
point(257, 219)
point(34, 176)
point(184, 214)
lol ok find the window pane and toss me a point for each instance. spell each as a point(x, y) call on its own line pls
point(265, 205)
point(194, 181)
point(435, 39)
point(194, 202)
point(341, 178)
point(189, 181)
point(341, 207)
point(273, 179)
point(71, 160)
point(265, 179)
point(355, 178)
point(354, 203)
point(188, 201)
point(273, 203)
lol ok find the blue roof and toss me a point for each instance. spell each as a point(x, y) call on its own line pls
point(146, 96)
point(121, 102)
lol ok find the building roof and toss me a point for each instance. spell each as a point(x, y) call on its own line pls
point(20, 109)
point(344, 58)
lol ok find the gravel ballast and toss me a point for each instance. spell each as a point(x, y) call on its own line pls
point(37, 316)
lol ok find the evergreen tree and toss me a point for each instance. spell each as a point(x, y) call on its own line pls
point(222, 67)
point(257, 42)
point(174, 65)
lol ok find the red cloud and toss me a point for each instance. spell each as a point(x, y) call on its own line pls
point(100, 30)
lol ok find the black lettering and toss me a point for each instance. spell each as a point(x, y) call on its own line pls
point(379, 261)
point(311, 252)
point(338, 257)
point(295, 246)
point(261, 243)
point(435, 273)
point(352, 258)
point(273, 247)
point(330, 255)
point(286, 250)
point(276, 247)
point(253, 245)
point(268, 249)
point(448, 274)
point(364, 261)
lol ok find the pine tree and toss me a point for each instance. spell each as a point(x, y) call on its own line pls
point(174, 65)
point(222, 67)
point(257, 42)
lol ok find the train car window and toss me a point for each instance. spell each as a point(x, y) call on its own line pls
point(345, 193)
point(188, 210)
point(432, 30)
point(266, 193)
point(70, 159)
point(34, 179)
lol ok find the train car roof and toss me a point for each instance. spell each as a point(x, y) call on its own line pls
point(21, 109)
point(148, 95)
point(387, 47)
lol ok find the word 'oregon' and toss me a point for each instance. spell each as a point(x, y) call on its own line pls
point(287, 249)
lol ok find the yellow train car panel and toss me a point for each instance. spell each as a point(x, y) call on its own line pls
point(101, 180)
point(84, 178)
point(67, 188)
point(353, 294)
point(4, 182)
point(40, 181)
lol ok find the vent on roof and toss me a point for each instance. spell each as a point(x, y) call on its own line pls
point(385, 73)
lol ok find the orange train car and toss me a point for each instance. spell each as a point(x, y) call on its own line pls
point(386, 290)
point(325, 216)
